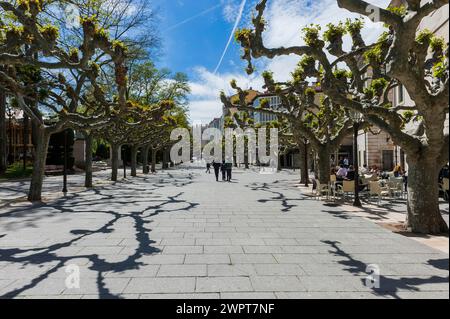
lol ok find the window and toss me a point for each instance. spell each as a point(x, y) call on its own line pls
point(400, 94)
point(388, 160)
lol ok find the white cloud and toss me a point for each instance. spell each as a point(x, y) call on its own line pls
point(229, 12)
point(285, 20)
point(240, 12)
point(206, 87)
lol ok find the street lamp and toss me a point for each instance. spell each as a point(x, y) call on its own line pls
point(124, 163)
point(357, 118)
point(65, 164)
point(306, 163)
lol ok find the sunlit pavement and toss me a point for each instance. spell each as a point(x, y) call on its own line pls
point(181, 234)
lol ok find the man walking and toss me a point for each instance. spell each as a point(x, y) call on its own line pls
point(229, 171)
point(223, 168)
point(216, 167)
point(208, 168)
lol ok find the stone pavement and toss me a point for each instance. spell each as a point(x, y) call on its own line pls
point(179, 234)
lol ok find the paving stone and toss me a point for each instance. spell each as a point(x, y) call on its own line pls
point(213, 241)
point(252, 259)
point(201, 239)
point(244, 270)
point(223, 284)
point(108, 286)
point(103, 250)
point(276, 283)
point(223, 250)
point(183, 250)
point(207, 259)
point(248, 295)
point(160, 285)
point(27, 287)
point(299, 295)
point(160, 259)
point(294, 259)
point(140, 271)
point(182, 271)
point(279, 270)
point(177, 242)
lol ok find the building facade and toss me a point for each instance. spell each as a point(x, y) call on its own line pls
point(274, 104)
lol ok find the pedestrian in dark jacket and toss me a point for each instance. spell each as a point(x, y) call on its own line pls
point(216, 167)
point(229, 171)
point(223, 168)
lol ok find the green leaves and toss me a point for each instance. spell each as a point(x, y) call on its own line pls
point(49, 32)
point(376, 88)
point(267, 76)
point(439, 70)
point(311, 35)
point(400, 11)
point(374, 56)
point(310, 93)
point(437, 44)
point(340, 74)
point(334, 32)
point(33, 7)
point(306, 67)
point(264, 104)
point(424, 36)
point(243, 36)
point(119, 47)
point(354, 27)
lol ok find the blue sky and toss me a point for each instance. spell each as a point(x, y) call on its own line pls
point(195, 32)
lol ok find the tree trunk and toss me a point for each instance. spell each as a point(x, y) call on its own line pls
point(3, 137)
point(323, 165)
point(114, 162)
point(37, 179)
point(88, 161)
point(134, 151)
point(145, 151)
point(424, 215)
point(154, 152)
point(247, 166)
point(164, 159)
point(303, 165)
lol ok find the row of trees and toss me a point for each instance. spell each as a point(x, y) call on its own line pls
point(86, 70)
point(359, 81)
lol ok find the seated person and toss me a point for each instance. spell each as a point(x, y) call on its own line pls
point(341, 173)
point(333, 171)
point(375, 170)
point(350, 174)
point(364, 170)
point(398, 171)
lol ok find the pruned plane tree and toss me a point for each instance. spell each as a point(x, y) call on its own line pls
point(418, 60)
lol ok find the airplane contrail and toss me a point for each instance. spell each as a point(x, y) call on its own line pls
point(193, 17)
point(236, 24)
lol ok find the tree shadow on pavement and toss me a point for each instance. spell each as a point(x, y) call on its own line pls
point(277, 196)
point(42, 256)
point(389, 286)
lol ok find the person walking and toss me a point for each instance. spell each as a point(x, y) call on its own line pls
point(216, 167)
point(229, 168)
point(223, 168)
point(208, 168)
